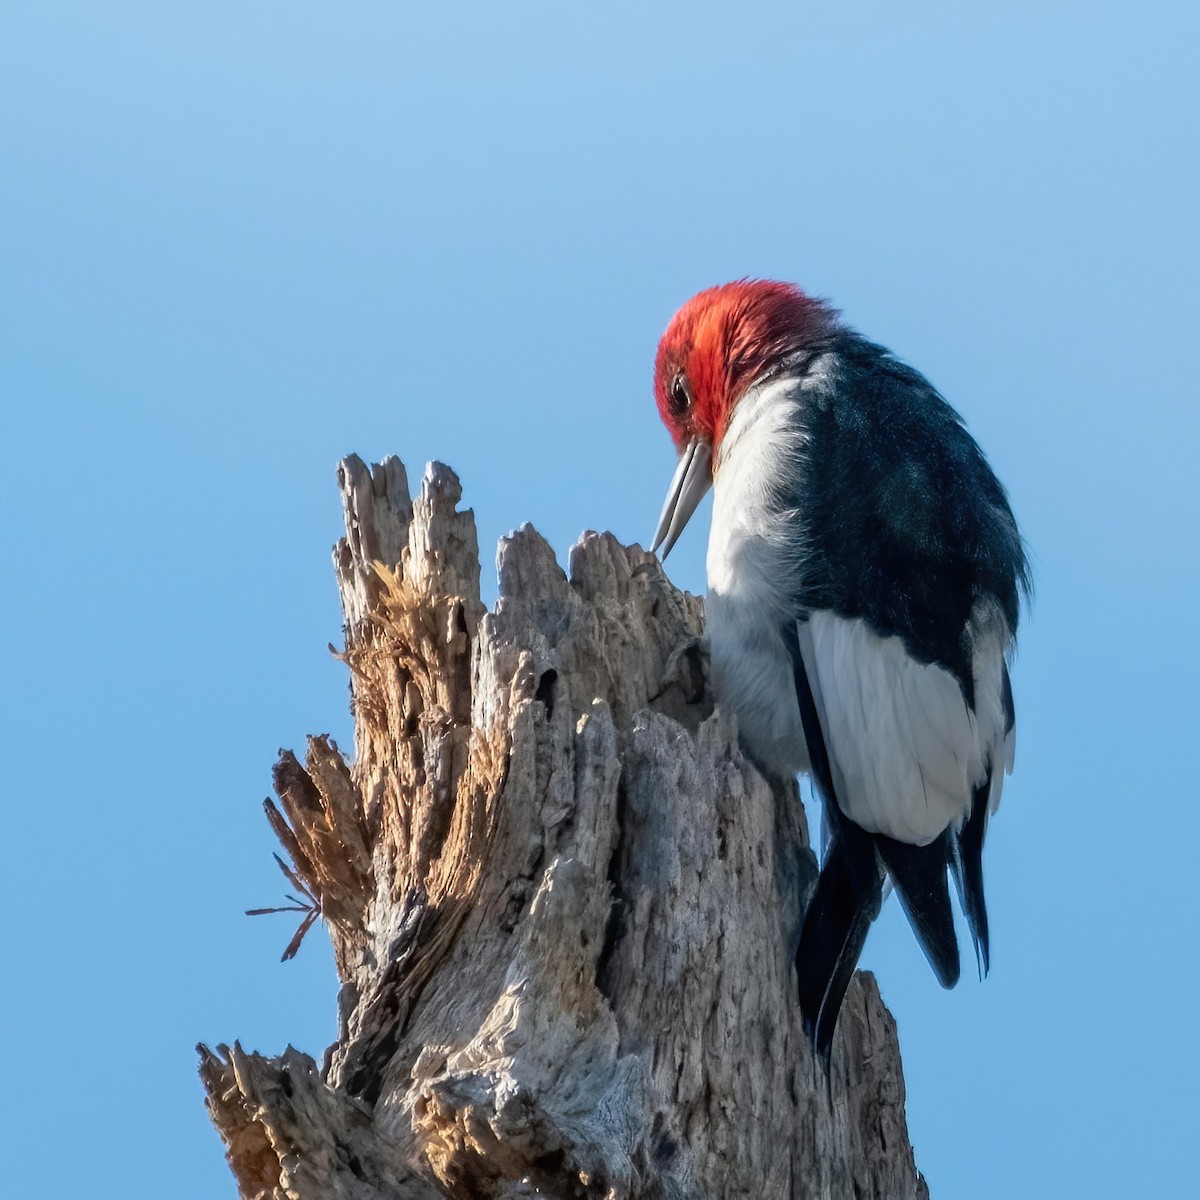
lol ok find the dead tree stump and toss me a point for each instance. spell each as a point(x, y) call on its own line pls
point(563, 906)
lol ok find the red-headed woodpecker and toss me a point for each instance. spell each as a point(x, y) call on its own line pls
point(864, 580)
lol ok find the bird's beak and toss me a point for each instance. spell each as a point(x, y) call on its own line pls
point(693, 477)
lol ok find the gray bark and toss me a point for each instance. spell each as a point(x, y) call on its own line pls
point(563, 906)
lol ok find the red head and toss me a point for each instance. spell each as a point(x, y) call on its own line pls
point(720, 342)
point(716, 346)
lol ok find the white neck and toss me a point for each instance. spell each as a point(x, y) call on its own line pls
point(758, 466)
point(754, 562)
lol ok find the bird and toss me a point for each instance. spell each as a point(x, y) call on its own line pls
point(865, 578)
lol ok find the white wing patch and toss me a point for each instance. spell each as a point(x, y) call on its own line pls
point(906, 753)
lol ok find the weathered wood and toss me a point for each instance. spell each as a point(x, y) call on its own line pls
point(563, 906)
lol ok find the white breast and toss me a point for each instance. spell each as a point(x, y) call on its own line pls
point(754, 562)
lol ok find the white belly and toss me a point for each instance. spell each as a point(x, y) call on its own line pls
point(753, 679)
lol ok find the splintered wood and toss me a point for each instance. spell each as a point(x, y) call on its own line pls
point(563, 906)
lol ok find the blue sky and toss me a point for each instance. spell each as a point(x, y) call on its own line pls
point(239, 241)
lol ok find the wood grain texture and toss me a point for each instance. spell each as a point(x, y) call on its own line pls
point(563, 905)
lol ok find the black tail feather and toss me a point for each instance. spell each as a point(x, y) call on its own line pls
point(919, 873)
point(849, 890)
point(847, 899)
point(968, 872)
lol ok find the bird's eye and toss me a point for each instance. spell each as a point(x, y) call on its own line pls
point(680, 395)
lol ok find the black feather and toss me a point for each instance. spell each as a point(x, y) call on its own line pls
point(814, 736)
point(904, 523)
point(968, 847)
point(847, 899)
point(968, 872)
point(919, 873)
point(906, 528)
point(848, 894)
point(1006, 697)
